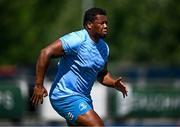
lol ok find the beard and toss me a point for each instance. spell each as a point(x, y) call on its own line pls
point(102, 35)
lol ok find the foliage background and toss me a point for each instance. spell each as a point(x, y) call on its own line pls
point(141, 32)
point(144, 41)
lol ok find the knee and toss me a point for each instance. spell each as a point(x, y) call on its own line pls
point(90, 118)
point(99, 124)
point(90, 122)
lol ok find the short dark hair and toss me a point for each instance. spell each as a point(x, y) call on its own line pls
point(91, 13)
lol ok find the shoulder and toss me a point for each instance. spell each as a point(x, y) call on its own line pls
point(72, 41)
point(103, 45)
point(77, 36)
point(103, 48)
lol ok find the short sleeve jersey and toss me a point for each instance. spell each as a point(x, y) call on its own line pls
point(80, 65)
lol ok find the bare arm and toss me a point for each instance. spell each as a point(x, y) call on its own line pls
point(53, 50)
point(106, 79)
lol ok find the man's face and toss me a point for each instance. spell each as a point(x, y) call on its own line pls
point(100, 26)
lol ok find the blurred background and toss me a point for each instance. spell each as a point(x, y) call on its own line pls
point(144, 41)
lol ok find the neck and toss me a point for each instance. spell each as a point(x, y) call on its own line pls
point(93, 36)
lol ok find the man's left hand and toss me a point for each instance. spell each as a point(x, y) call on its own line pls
point(119, 85)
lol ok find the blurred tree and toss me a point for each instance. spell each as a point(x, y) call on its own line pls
point(140, 31)
point(27, 26)
point(144, 31)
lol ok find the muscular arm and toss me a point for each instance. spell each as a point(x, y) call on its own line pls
point(106, 79)
point(53, 50)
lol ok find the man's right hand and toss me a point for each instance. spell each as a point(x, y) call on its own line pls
point(38, 94)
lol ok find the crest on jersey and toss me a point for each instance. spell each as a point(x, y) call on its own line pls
point(82, 106)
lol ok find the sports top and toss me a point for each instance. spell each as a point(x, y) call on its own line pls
point(78, 68)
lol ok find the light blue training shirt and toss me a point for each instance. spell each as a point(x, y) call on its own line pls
point(79, 66)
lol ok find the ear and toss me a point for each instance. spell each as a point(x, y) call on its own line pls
point(89, 25)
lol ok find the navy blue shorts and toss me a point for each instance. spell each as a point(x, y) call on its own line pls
point(71, 107)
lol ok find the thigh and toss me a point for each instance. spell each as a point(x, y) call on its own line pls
point(90, 118)
point(72, 107)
